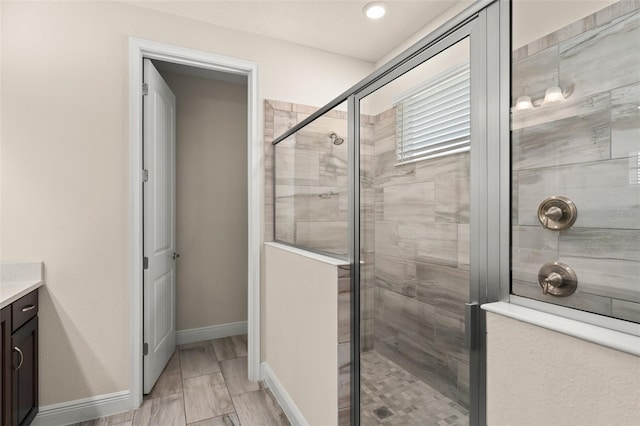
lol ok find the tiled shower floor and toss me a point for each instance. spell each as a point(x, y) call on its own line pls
point(392, 396)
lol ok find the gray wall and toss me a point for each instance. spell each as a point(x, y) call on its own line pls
point(585, 148)
point(211, 201)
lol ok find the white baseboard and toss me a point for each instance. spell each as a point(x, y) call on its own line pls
point(282, 396)
point(83, 409)
point(193, 335)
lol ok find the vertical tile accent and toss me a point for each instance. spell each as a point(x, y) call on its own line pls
point(344, 375)
point(344, 304)
point(344, 416)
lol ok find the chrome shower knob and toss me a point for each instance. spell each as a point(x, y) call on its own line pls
point(557, 279)
point(554, 279)
point(557, 213)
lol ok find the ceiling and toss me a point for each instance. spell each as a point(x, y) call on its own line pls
point(337, 26)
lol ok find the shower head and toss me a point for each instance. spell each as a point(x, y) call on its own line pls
point(337, 140)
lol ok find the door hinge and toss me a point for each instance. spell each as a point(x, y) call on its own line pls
point(145, 175)
point(145, 263)
point(145, 349)
point(145, 89)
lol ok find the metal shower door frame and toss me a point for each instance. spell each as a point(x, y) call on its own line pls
point(486, 24)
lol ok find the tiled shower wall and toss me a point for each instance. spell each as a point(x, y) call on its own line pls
point(311, 178)
point(421, 262)
point(586, 149)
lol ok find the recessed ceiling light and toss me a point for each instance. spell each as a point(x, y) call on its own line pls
point(375, 10)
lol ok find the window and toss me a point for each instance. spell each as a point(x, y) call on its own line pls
point(433, 120)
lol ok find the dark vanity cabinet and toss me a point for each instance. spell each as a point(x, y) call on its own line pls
point(5, 364)
point(19, 361)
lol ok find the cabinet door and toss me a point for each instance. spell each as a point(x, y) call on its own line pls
point(5, 366)
point(24, 344)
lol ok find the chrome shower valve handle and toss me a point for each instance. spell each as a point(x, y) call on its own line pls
point(554, 279)
point(557, 213)
point(553, 213)
point(557, 279)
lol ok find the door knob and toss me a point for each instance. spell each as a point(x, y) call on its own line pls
point(557, 279)
point(175, 255)
point(557, 213)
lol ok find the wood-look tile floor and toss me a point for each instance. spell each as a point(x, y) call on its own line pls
point(204, 384)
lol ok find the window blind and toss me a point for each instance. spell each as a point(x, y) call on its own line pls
point(434, 119)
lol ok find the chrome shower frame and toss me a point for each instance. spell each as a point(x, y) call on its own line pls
point(487, 24)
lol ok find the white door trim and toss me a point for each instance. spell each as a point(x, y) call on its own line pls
point(139, 49)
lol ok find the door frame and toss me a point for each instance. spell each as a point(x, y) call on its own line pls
point(138, 50)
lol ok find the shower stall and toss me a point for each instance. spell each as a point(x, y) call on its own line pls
point(453, 188)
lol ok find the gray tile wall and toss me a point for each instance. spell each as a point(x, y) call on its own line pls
point(311, 179)
point(421, 262)
point(585, 148)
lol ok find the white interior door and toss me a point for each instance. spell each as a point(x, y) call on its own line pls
point(159, 225)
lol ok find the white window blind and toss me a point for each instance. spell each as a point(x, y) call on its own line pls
point(433, 120)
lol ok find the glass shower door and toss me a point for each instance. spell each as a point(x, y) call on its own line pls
point(415, 158)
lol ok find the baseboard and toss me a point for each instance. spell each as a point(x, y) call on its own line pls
point(83, 409)
point(193, 335)
point(289, 407)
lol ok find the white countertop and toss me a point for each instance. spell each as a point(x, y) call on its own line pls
point(19, 279)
